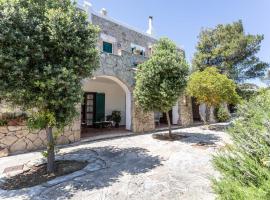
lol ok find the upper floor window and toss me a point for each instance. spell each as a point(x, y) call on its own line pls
point(107, 47)
point(138, 50)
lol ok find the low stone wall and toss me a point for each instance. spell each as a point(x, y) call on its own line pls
point(18, 139)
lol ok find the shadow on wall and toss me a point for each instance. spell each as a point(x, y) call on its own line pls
point(115, 161)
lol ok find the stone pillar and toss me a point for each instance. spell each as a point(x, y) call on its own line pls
point(185, 111)
point(142, 121)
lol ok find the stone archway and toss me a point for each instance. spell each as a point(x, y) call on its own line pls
point(126, 92)
point(128, 98)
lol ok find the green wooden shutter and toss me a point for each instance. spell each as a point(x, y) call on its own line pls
point(107, 47)
point(100, 107)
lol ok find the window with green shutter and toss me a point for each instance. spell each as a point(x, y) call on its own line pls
point(107, 47)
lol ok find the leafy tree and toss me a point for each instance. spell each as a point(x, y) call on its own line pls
point(212, 88)
point(244, 165)
point(46, 48)
point(161, 79)
point(231, 50)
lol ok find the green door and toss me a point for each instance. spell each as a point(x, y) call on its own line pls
point(100, 107)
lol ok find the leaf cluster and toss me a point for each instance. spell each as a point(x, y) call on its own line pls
point(245, 164)
point(212, 88)
point(231, 50)
point(161, 79)
point(46, 48)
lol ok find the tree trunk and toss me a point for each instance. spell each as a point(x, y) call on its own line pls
point(169, 124)
point(50, 151)
point(207, 113)
point(202, 112)
point(212, 117)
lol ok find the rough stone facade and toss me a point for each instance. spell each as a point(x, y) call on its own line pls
point(122, 62)
point(14, 139)
point(142, 121)
point(185, 111)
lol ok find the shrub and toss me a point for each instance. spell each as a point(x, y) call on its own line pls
point(245, 165)
point(3, 122)
point(116, 117)
point(222, 114)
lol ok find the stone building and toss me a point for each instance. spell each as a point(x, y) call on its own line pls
point(110, 89)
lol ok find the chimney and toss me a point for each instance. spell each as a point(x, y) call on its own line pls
point(103, 12)
point(150, 25)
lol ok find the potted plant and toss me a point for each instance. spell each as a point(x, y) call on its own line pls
point(116, 117)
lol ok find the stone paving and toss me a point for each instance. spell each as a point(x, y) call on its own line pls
point(134, 168)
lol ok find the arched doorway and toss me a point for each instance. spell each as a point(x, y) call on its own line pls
point(105, 94)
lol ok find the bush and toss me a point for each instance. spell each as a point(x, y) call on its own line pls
point(3, 122)
point(116, 117)
point(245, 165)
point(222, 114)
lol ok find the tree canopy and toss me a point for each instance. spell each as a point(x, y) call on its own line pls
point(211, 87)
point(46, 48)
point(231, 50)
point(161, 79)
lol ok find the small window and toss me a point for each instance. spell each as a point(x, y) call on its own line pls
point(107, 47)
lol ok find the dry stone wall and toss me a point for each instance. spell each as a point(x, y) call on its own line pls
point(19, 139)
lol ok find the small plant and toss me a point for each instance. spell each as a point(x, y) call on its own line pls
point(3, 122)
point(222, 114)
point(13, 118)
point(116, 117)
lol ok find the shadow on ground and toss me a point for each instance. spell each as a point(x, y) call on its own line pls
point(109, 163)
point(188, 137)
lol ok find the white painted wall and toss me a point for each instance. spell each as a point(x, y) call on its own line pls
point(115, 97)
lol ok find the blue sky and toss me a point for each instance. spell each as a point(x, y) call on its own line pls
point(182, 20)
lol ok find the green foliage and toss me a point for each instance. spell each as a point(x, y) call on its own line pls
point(231, 50)
point(245, 165)
point(3, 122)
point(116, 116)
point(46, 49)
point(222, 114)
point(212, 88)
point(40, 120)
point(247, 90)
point(161, 79)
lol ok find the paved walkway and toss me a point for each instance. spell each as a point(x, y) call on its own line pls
point(130, 168)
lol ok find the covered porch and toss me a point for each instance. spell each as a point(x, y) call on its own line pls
point(106, 108)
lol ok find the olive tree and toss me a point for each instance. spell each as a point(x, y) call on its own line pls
point(46, 48)
point(212, 88)
point(161, 79)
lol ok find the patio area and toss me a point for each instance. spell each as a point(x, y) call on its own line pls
point(134, 167)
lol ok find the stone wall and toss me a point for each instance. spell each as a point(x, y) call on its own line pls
point(142, 121)
point(124, 35)
point(185, 111)
point(119, 66)
point(18, 139)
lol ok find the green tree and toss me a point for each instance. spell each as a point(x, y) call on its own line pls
point(161, 79)
point(212, 88)
point(231, 50)
point(46, 48)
